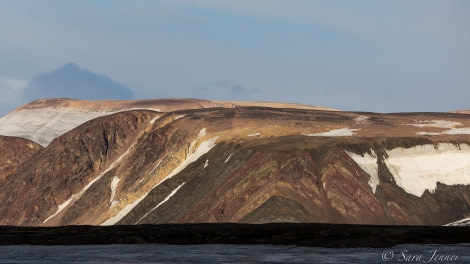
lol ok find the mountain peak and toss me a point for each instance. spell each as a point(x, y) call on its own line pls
point(72, 81)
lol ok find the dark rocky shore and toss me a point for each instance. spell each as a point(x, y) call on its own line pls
point(315, 235)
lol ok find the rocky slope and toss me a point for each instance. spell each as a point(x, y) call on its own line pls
point(247, 164)
point(14, 153)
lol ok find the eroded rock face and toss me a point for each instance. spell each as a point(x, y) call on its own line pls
point(65, 167)
point(14, 153)
point(244, 164)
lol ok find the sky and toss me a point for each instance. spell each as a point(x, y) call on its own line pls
point(380, 56)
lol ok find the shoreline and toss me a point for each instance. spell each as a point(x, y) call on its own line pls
point(303, 234)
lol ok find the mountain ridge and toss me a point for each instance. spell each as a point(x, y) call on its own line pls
point(250, 164)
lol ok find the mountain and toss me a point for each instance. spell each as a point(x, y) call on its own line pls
point(72, 81)
point(198, 161)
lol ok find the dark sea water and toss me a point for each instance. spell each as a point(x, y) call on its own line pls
point(161, 253)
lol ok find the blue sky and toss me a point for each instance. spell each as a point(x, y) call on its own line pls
point(383, 56)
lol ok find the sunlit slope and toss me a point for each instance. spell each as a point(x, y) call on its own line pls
point(247, 164)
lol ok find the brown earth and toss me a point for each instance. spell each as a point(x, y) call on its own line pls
point(15, 152)
point(267, 166)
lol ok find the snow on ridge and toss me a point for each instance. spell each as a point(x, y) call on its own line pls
point(202, 149)
point(154, 119)
point(257, 134)
point(180, 116)
point(368, 163)
point(436, 123)
point(140, 108)
point(340, 132)
point(42, 125)
point(162, 202)
point(452, 131)
point(419, 168)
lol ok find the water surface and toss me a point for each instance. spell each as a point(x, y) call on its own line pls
point(216, 253)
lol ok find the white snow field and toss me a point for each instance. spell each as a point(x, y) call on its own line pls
point(452, 131)
point(369, 164)
point(436, 123)
point(450, 125)
point(340, 132)
point(420, 168)
point(42, 125)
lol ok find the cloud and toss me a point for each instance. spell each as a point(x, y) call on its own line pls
point(11, 91)
point(71, 81)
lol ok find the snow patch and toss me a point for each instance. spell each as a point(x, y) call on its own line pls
point(420, 168)
point(457, 131)
point(452, 131)
point(154, 119)
point(201, 133)
point(368, 163)
point(228, 158)
point(257, 134)
point(360, 119)
point(141, 108)
point(114, 184)
point(162, 202)
point(203, 148)
point(340, 132)
point(436, 123)
point(42, 125)
point(113, 220)
point(428, 133)
point(463, 222)
point(61, 207)
point(207, 164)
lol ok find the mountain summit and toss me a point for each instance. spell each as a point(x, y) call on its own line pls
point(71, 81)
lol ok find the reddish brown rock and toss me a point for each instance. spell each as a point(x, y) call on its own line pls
point(243, 164)
point(15, 153)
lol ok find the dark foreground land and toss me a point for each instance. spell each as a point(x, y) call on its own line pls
point(324, 235)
